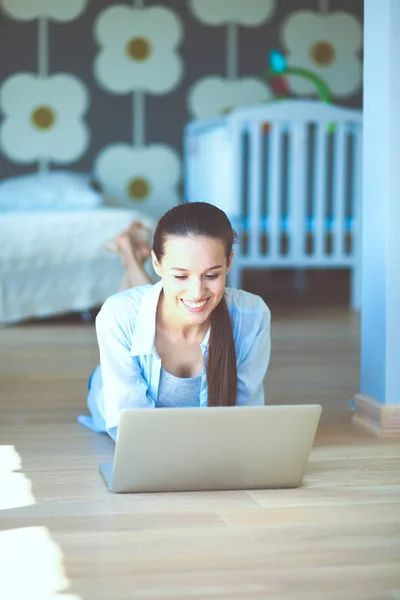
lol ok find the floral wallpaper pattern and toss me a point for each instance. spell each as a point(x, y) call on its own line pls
point(327, 44)
point(107, 86)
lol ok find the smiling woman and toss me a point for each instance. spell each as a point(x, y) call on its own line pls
point(187, 340)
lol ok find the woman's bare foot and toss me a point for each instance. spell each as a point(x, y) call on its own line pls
point(130, 250)
point(133, 250)
point(133, 243)
point(140, 239)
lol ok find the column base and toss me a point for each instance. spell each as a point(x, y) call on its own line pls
point(382, 420)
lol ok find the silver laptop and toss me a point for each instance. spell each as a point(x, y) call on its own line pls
point(219, 448)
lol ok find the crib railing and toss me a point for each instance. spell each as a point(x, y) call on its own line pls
point(288, 175)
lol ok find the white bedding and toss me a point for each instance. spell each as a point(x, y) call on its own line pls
point(55, 262)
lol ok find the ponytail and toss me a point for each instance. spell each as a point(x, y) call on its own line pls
point(221, 362)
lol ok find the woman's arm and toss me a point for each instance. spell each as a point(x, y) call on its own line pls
point(123, 382)
point(253, 363)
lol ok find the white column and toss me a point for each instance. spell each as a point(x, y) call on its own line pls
point(380, 312)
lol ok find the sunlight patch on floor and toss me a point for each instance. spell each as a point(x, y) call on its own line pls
point(16, 488)
point(32, 566)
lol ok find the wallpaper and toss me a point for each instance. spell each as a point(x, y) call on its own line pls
point(107, 86)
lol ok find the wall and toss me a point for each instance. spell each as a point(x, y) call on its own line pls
point(107, 86)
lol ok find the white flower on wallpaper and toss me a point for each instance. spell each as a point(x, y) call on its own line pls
point(139, 49)
point(43, 118)
point(59, 10)
point(145, 177)
point(327, 44)
point(243, 12)
point(214, 95)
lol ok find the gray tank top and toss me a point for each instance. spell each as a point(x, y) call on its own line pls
point(174, 392)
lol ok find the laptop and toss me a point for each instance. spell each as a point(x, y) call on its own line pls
point(218, 448)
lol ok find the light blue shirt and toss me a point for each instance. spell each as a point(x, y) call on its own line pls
point(129, 371)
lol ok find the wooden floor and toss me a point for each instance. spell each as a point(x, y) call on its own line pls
point(63, 535)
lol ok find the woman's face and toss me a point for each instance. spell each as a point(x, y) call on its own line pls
point(193, 271)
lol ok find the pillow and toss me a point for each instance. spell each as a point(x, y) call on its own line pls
point(53, 190)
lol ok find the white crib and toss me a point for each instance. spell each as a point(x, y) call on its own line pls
point(288, 174)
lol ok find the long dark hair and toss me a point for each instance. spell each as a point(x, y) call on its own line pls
point(206, 220)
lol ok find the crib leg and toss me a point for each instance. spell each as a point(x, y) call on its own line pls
point(87, 315)
point(300, 281)
point(235, 277)
point(355, 288)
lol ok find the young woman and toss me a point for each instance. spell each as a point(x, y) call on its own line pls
point(186, 340)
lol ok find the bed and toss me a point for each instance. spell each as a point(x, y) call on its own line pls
point(54, 261)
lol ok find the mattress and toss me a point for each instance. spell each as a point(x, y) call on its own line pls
point(55, 262)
